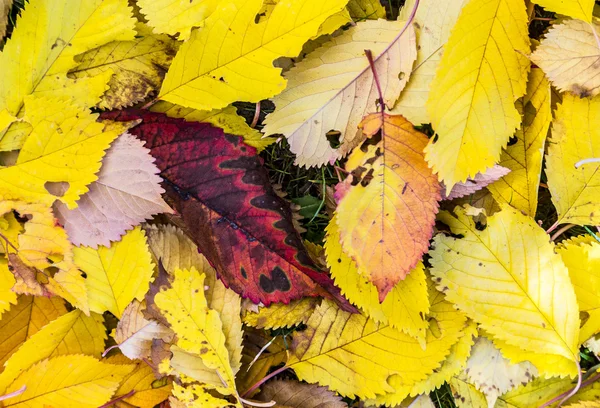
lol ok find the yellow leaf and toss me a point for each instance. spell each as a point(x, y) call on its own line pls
point(333, 88)
point(404, 307)
point(72, 333)
point(191, 365)
point(386, 222)
point(117, 274)
point(25, 319)
point(581, 9)
point(466, 395)
point(585, 404)
point(198, 328)
point(134, 334)
point(226, 118)
point(280, 315)
point(366, 9)
point(197, 396)
point(569, 55)
point(231, 58)
point(519, 188)
point(176, 17)
point(493, 374)
point(257, 366)
point(453, 365)
point(354, 355)
point(177, 251)
point(471, 101)
point(142, 381)
point(6, 119)
point(68, 381)
point(138, 67)
point(45, 246)
point(548, 365)
point(509, 279)
point(7, 281)
point(535, 393)
point(65, 146)
point(433, 22)
point(575, 135)
point(582, 256)
point(48, 35)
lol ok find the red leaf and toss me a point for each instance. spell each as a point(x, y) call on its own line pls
point(223, 194)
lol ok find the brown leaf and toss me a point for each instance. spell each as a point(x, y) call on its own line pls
point(294, 394)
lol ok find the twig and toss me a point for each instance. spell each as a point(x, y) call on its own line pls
point(149, 104)
point(264, 380)
point(256, 115)
point(369, 55)
point(260, 353)
point(8, 243)
point(562, 231)
point(13, 394)
point(552, 228)
point(258, 404)
point(586, 161)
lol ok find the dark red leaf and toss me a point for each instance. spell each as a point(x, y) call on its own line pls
point(223, 194)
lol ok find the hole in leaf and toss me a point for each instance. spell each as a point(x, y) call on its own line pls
point(333, 137)
point(83, 274)
point(51, 270)
point(367, 178)
point(8, 158)
point(584, 316)
point(479, 226)
point(435, 138)
point(401, 76)
point(56, 188)
point(513, 140)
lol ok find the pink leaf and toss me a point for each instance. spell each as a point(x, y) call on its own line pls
point(472, 185)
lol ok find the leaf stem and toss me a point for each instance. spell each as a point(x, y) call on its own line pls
point(552, 228)
point(369, 55)
point(264, 380)
point(13, 394)
point(256, 115)
point(562, 231)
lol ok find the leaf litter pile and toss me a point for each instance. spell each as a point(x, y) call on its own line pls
point(442, 253)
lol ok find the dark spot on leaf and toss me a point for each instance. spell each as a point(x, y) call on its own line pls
point(278, 281)
point(243, 271)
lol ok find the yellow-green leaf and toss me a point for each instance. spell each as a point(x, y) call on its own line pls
point(472, 99)
point(355, 356)
point(48, 35)
point(509, 279)
point(72, 333)
point(231, 58)
point(68, 381)
point(404, 307)
point(519, 188)
point(466, 395)
point(535, 393)
point(25, 319)
point(575, 186)
point(65, 146)
point(366, 9)
point(117, 274)
point(226, 118)
point(198, 328)
point(581, 9)
point(138, 67)
point(280, 315)
point(433, 22)
point(582, 256)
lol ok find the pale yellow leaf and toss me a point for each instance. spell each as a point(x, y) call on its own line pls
point(466, 395)
point(48, 35)
point(226, 118)
point(65, 146)
point(570, 56)
point(280, 315)
point(231, 58)
point(176, 250)
point(117, 274)
point(519, 188)
point(493, 374)
point(134, 334)
point(535, 393)
point(7, 281)
point(191, 365)
point(67, 381)
point(471, 101)
point(355, 356)
point(433, 22)
point(72, 333)
point(509, 279)
point(575, 137)
point(404, 307)
point(582, 256)
point(177, 17)
point(333, 88)
point(138, 67)
point(581, 9)
point(5, 118)
point(25, 319)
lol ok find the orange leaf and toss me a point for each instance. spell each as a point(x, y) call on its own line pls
point(386, 218)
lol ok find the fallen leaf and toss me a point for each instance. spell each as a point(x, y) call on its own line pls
point(581, 9)
point(294, 394)
point(476, 183)
point(279, 315)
